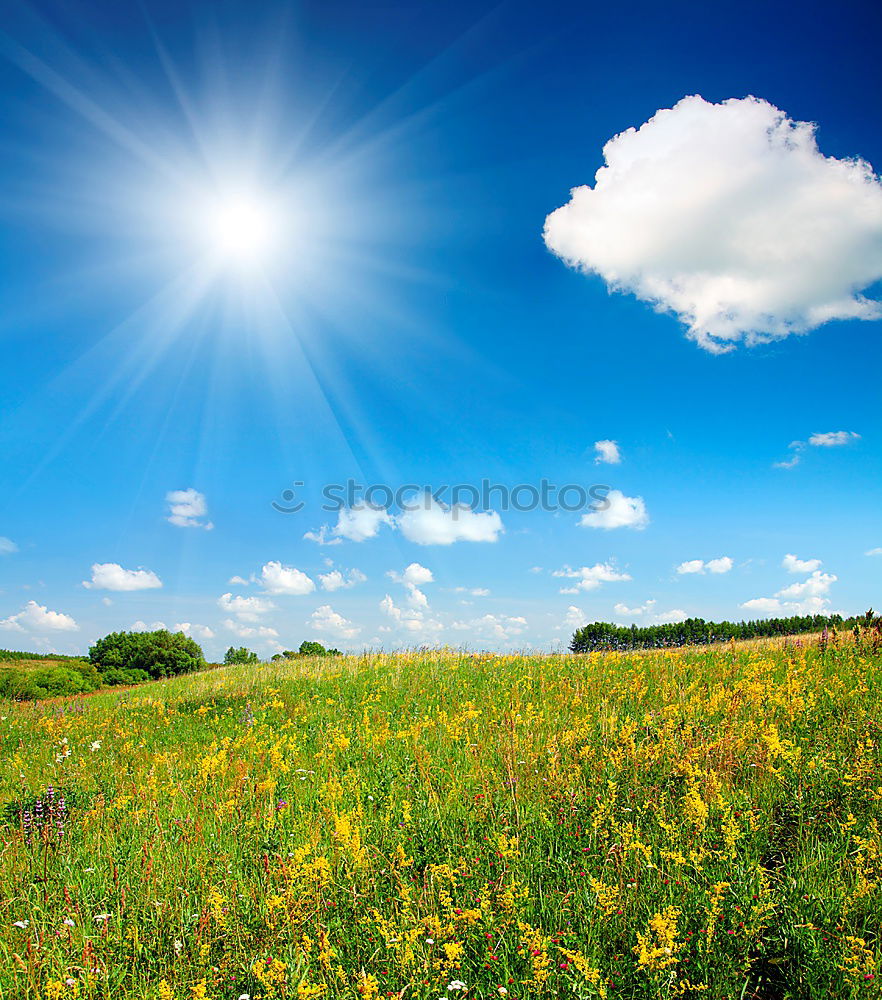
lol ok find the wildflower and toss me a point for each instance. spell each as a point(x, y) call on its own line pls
point(69, 923)
point(101, 918)
point(457, 984)
point(95, 746)
point(23, 924)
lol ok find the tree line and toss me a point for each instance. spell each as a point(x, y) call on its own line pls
point(696, 631)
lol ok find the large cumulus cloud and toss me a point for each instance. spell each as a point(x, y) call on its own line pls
point(729, 216)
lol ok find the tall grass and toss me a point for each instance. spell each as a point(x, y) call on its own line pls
point(436, 824)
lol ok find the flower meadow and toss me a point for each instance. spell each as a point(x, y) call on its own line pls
point(445, 825)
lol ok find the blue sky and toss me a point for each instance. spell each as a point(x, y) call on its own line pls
point(306, 245)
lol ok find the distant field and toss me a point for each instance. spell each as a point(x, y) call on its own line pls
point(702, 822)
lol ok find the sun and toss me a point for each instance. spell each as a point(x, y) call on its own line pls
point(239, 229)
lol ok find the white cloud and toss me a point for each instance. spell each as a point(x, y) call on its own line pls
point(472, 591)
point(607, 452)
point(111, 576)
point(279, 579)
point(335, 580)
point(187, 508)
point(829, 439)
point(326, 619)
point(590, 577)
point(410, 619)
point(140, 626)
point(238, 581)
point(501, 627)
point(833, 439)
point(246, 609)
point(7, 546)
point(619, 512)
point(624, 610)
point(720, 565)
point(414, 575)
point(195, 631)
point(816, 585)
point(433, 523)
point(251, 632)
point(357, 524)
point(730, 217)
point(575, 617)
point(794, 565)
point(808, 597)
point(874, 552)
point(35, 617)
point(648, 612)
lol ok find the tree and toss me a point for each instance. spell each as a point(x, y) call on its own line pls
point(158, 654)
point(309, 648)
point(240, 655)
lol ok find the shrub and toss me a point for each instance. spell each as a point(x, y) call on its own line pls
point(47, 682)
point(158, 654)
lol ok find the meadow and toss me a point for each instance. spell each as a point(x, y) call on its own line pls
point(686, 823)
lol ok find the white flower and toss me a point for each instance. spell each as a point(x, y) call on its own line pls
point(21, 923)
point(457, 984)
point(430, 940)
point(244, 996)
point(69, 923)
point(179, 947)
point(70, 981)
point(95, 745)
point(100, 918)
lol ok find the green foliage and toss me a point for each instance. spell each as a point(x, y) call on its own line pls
point(697, 631)
point(240, 655)
point(73, 677)
point(307, 648)
point(12, 655)
point(157, 654)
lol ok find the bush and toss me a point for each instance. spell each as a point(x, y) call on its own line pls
point(115, 676)
point(240, 655)
point(157, 654)
point(48, 682)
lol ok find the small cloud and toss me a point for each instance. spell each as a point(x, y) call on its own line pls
point(805, 598)
point(607, 452)
point(326, 619)
point(433, 523)
point(246, 609)
point(251, 631)
point(335, 580)
point(412, 578)
point(279, 579)
point(187, 508)
point(590, 577)
point(7, 546)
point(575, 617)
point(794, 565)
point(356, 524)
point(501, 627)
point(833, 439)
point(140, 626)
point(111, 576)
point(194, 631)
point(238, 581)
point(723, 564)
point(37, 618)
point(617, 511)
point(874, 552)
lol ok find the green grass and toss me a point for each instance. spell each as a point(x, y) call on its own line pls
point(699, 822)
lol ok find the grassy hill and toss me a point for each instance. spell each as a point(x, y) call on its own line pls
point(644, 825)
